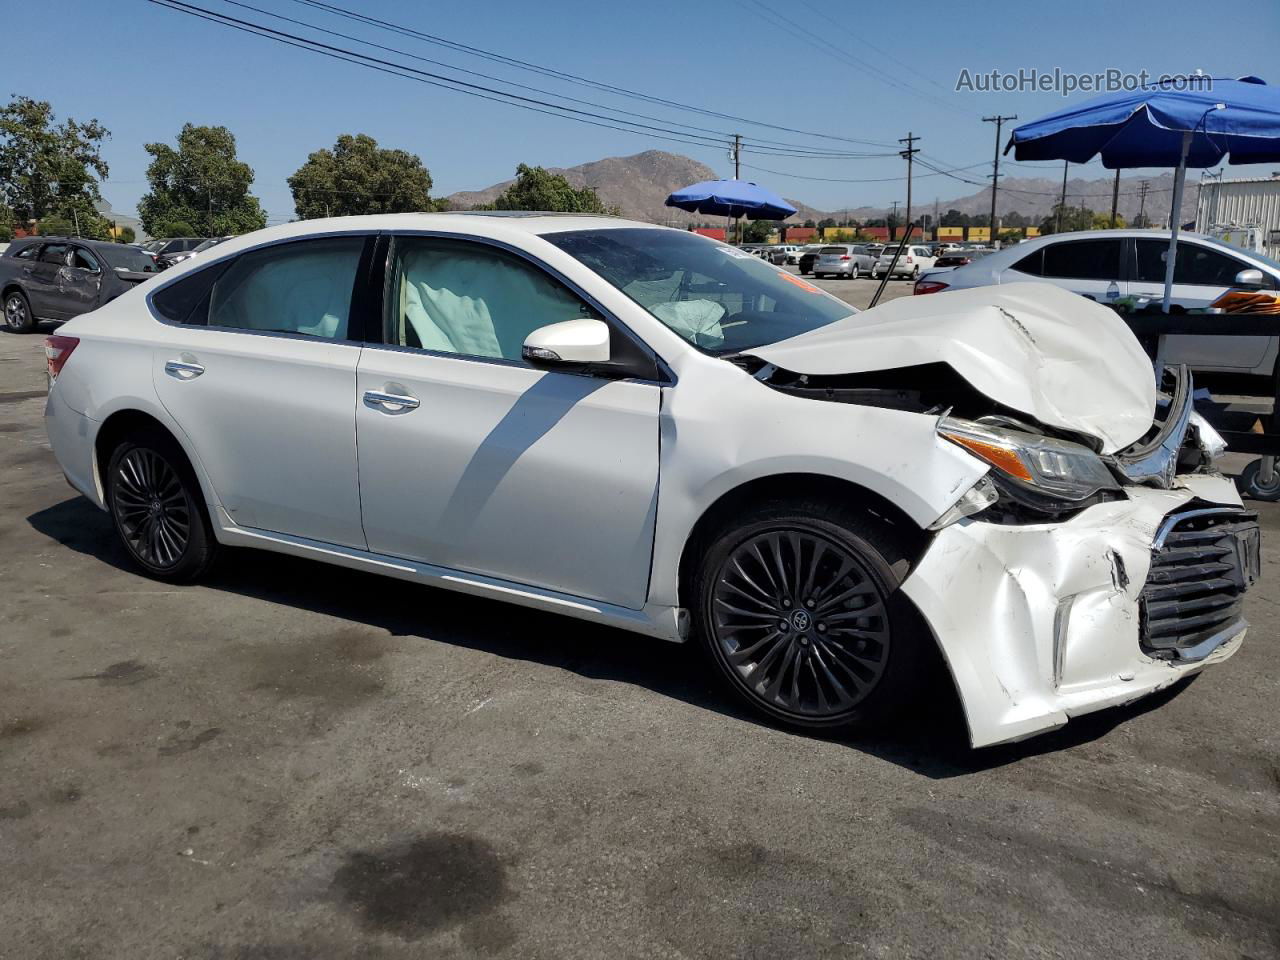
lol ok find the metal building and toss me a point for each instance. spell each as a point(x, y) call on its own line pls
point(1245, 212)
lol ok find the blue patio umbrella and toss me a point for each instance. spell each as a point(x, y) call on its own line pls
point(1190, 122)
point(731, 198)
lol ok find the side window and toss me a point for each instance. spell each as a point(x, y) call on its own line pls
point(470, 299)
point(84, 260)
point(1083, 260)
point(303, 287)
point(27, 252)
point(1032, 264)
point(187, 300)
point(54, 253)
point(1196, 264)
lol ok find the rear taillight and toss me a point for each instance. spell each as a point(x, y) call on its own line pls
point(57, 350)
point(846, 257)
point(928, 286)
point(909, 260)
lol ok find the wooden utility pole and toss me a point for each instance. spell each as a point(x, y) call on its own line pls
point(1062, 204)
point(1115, 199)
point(737, 160)
point(995, 168)
point(909, 153)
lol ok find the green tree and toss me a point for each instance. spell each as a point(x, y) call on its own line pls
point(954, 218)
point(200, 184)
point(6, 224)
point(1102, 221)
point(56, 226)
point(1072, 218)
point(825, 223)
point(126, 235)
point(49, 168)
point(539, 189)
point(358, 177)
point(174, 228)
point(759, 231)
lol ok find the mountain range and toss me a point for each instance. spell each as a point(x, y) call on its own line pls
point(639, 184)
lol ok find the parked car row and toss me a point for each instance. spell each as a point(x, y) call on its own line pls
point(1106, 265)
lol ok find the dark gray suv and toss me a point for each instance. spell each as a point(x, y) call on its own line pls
point(57, 278)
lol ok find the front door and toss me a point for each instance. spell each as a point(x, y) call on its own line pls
point(80, 282)
point(1200, 276)
point(260, 375)
point(474, 460)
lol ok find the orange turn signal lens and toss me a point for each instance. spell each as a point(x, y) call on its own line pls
point(994, 454)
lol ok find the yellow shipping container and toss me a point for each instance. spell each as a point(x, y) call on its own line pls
point(951, 233)
point(1035, 231)
point(980, 234)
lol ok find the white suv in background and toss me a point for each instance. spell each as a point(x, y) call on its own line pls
point(914, 259)
point(1108, 264)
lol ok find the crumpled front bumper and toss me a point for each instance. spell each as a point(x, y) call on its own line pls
point(1040, 623)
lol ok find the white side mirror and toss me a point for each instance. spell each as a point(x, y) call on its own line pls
point(585, 340)
point(1249, 278)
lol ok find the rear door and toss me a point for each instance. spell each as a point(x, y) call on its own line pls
point(1201, 275)
point(257, 364)
point(485, 464)
point(42, 282)
point(1087, 267)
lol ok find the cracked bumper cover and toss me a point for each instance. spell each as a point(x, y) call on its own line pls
point(1040, 623)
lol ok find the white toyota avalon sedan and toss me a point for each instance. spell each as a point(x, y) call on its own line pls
point(652, 430)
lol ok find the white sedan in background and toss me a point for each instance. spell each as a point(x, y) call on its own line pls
point(1108, 264)
point(651, 430)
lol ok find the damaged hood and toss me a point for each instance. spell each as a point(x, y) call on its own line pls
point(1033, 347)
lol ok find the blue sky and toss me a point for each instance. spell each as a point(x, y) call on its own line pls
point(144, 71)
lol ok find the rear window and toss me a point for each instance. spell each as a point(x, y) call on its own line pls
point(126, 259)
point(832, 250)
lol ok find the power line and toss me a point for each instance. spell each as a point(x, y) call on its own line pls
point(808, 36)
point(698, 131)
point(570, 77)
point(918, 176)
point(472, 89)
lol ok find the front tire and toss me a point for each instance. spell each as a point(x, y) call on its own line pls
point(158, 508)
point(797, 608)
point(17, 313)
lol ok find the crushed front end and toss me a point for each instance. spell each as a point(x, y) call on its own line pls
point(1069, 582)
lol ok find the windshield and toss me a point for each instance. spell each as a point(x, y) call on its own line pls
point(211, 242)
point(153, 245)
point(127, 259)
point(720, 299)
point(1271, 262)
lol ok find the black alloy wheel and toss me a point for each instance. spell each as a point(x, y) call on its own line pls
point(17, 313)
point(152, 508)
point(157, 507)
point(796, 604)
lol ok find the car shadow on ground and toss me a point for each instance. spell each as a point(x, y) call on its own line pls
point(932, 741)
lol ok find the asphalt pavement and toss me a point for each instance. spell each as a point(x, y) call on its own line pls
point(296, 761)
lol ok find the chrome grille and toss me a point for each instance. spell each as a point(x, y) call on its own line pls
point(1201, 564)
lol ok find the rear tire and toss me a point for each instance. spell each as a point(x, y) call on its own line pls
point(17, 313)
point(158, 508)
point(797, 607)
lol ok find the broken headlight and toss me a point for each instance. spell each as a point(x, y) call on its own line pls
point(1055, 468)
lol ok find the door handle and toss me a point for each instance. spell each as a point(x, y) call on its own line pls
point(181, 370)
point(390, 402)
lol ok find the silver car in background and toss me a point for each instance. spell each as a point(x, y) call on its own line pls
point(844, 260)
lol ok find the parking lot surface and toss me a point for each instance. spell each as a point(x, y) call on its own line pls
point(296, 761)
